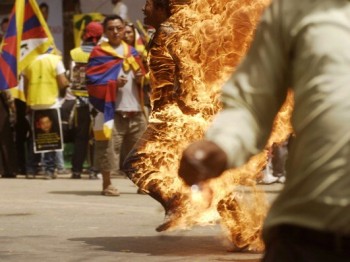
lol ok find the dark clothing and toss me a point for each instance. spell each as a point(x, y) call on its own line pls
point(293, 243)
point(7, 152)
point(22, 129)
point(81, 132)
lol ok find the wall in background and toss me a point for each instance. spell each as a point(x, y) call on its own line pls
point(105, 7)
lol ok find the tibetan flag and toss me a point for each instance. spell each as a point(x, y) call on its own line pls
point(102, 71)
point(9, 52)
point(36, 36)
point(27, 37)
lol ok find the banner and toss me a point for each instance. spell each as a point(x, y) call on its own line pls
point(47, 130)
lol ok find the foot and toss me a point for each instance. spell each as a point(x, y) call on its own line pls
point(110, 191)
point(50, 175)
point(268, 179)
point(76, 176)
point(94, 176)
point(8, 176)
point(281, 179)
point(140, 191)
point(63, 171)
point(30, 176)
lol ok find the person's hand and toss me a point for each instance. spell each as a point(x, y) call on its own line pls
point(121, 81)
point(200, 161)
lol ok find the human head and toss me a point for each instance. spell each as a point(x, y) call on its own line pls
point(129, 35)
point(114, 28)
point(156, 12)
point(115, 1)
point(4, 24)
point(44, 8)
point(45, 123)
point(93, 32)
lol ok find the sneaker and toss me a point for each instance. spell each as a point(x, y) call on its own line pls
point(76, 176)
point(9, 175)
point(50, 175)
point(94, 176)
point(63, 171)
point(268, 179)
point(30, 176)
point(110, 191)
point(281, 179)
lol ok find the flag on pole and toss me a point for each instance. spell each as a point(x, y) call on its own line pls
point(27, 37)
point(9, 49)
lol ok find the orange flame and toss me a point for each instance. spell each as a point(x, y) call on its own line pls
point(206, 39)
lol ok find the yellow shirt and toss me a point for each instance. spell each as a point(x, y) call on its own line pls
point(43, 88)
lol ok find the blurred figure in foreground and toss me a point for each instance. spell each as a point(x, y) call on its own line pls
point(303, 45)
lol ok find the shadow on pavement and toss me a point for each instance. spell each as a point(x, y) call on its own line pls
point(77, 193)
point(162, 245)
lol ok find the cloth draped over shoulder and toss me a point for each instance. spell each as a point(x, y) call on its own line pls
point(103, 69)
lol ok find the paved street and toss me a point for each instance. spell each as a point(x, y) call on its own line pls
point(68, 220)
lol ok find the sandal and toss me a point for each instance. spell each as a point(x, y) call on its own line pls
point(110, 191)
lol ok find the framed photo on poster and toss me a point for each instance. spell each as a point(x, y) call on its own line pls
point(47, 130)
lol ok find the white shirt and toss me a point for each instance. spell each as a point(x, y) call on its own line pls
point(127, 96)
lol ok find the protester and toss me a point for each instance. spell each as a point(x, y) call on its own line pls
point(133, 38)
point(78, 95)
point(115, 68)
point(7, 120)
point(3, 27)
point(303, 45)
point(121, 9)
point(44, 8)
point(44, 78)
point(166, 93)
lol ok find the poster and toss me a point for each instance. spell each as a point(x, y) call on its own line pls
point(47, 130)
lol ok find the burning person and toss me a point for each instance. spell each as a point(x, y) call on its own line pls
point(310, 219)
point(190, 57)
point(164, 73)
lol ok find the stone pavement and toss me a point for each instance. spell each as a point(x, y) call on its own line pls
point(68, 220)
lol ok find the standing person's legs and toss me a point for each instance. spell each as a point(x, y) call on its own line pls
point(22, 129)
point(49, 159)
point(33, 159)
point(59, 160)
point(103, 155)
point(81, 139)
point(6, 142)
point(136, 127)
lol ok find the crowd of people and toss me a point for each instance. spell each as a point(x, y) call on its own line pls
point(67, 91)
point(49, 86)
point(301, 45)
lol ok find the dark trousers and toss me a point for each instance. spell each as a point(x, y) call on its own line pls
point(7, 152)
point(22, 129)
point(81, 137)
point(297, 244)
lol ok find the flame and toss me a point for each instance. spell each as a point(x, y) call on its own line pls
point(206, 39)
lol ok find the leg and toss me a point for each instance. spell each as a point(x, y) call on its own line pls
point(81, 139)
point(103, 156)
